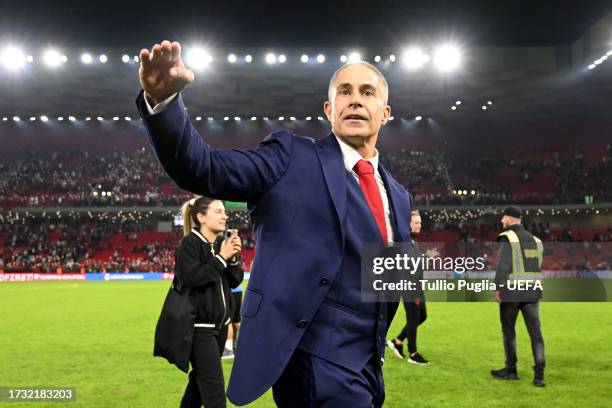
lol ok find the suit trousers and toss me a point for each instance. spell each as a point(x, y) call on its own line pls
point(206, 385)
point(508, 312)
point(312, 382)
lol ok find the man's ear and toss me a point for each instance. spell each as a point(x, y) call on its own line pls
point(327, 108)
point(386, 114)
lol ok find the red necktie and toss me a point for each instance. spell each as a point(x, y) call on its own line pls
point(370, 189)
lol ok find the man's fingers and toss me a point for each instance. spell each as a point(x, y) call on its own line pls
point(156, 54)
point(145, 57)
point(166, 47)
point(176, 51)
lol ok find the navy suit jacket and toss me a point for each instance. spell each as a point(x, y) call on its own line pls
point(295, 188)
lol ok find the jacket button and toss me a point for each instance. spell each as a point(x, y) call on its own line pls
point(301, 324)
point(324, 282)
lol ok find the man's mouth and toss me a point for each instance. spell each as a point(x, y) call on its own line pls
point(356, 117)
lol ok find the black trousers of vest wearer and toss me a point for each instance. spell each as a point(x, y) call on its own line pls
point(508, 312)
point(416, 314)
point(206, 385)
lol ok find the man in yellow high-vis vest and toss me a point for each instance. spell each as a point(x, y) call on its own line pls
point(520, 258)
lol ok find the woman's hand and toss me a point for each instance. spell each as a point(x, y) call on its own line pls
point(231, 247)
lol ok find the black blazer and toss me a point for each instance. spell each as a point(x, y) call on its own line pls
point(199, 268)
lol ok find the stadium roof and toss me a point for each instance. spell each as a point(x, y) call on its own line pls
point(290, 23)
point(537, 67)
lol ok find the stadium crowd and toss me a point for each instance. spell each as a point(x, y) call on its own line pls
point(440, 177)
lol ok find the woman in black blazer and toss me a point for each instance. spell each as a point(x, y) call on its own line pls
point(207, 263)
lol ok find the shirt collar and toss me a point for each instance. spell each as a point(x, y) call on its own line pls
point(351, 156)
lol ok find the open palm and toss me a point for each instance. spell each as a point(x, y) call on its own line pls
point(162, 72)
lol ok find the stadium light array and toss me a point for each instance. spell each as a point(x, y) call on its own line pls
point(13, 58)
point(71, 118)
point(447, 58)
point(198, 58)
point(44, 118)
point(125, 58)
point(270, 58)
point(600, 60)
point(320, 58)
point(248, 59)
point(304, 58)
point(392, 57)
point(354, 57)
point(414, 58)
point(418, 118)
point(52, 58)
point(86, 58)
point(103, 58)
point(16, 119)
point(343, 58)
point(282, 58)
point(231, 58)
point(377, 58)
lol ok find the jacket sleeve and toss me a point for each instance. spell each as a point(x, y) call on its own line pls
point(504, 262)
point(225, 174)
point(191, 270)
point(235, 274)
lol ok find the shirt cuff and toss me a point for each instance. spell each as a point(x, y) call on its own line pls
point(160, 106)
point(220, 258)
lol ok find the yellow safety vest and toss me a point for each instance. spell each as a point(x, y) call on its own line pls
point(518, 254)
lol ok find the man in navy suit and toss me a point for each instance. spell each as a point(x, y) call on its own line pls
point(313, 204)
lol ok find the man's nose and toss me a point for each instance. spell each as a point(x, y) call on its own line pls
point(356, 101)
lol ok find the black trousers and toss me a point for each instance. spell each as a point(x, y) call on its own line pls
point(206, 385)
point(416, 314)
point(508, 312)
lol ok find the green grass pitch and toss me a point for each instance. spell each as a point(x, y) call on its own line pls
point(97, 337)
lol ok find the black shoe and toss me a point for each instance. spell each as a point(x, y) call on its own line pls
point(539, 382)
point(505, 374)
point(416, 358)
point(398, 349)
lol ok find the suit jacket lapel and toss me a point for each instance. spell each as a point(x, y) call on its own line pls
point(330, 157)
